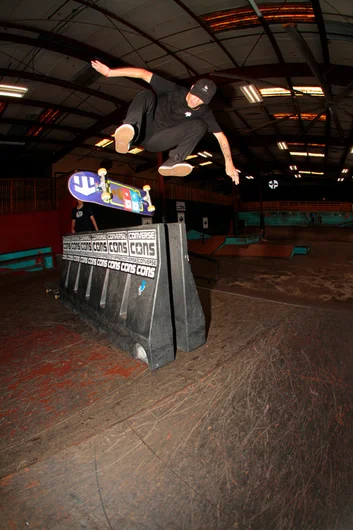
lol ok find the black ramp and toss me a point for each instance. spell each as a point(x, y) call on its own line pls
point(189, 318)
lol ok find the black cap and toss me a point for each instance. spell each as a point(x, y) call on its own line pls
point(204, 89)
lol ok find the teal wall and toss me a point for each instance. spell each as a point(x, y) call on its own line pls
point(277, 218)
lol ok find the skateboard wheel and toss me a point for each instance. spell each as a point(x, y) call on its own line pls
point(102, 172)
point(147, 187)
point(151, 208)
point(106, 196)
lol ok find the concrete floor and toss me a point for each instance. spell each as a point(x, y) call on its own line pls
point(253, 430)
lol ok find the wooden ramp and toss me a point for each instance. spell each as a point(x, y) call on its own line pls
point(206, 247)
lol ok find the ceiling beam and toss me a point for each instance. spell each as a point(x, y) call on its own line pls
point(26, 102)
point(322, 31)
point(113, 16)
point(281, 60)
point(207, 29)
point(314, 67)
point(338, 74)
point(19, 74)
point(62, 45)
point(37, 123)
point(110, 119)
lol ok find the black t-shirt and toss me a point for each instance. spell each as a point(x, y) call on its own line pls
point(82, 217)
point(172, 108)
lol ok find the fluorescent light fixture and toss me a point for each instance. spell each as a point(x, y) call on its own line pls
point(312, 172)
point(249, 177)
point(3, 142)
point(320, 155)
point(206, 163)
point(13, 91)
point(202, 154)
point(351, 150)
point(136, 150)
point(340, 179)
point(293, 168)
point(345, 170)
point(297, 176)
point(104, 143)
point(279, 91)
point(207, 153)
point(282, 145)
point(298, 153)
point(190, 157)
point(251, 93)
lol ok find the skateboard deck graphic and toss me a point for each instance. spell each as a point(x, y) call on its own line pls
point(92, 187)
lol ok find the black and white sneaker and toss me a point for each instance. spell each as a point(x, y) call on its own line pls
point(123, 138)
point(173, 168)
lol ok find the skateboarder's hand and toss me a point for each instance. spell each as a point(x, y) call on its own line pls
point(101, 68)
point(233, 173)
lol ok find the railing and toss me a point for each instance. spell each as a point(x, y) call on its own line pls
point(24, 195)
point(297, 206)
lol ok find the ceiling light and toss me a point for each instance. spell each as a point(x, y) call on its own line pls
point(301, 90)
point(207, 153)
point(3, 142)
point(297, 176)
point(206, 163)
point(282, 145)
point(190, 157)
point(340, 179)
point(293, 168)
point(321, 155)
point(202, 154)
point(312, 172)
point(345, 170)
point(304, 116)
point(136, 150)
point(298, 153)
point(13, 91)
point(104, 143)
point(250, 177)
point(351, 150)
point(251, 93)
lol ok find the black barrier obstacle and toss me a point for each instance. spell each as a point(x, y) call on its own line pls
point(139, 289)
point(188, 316)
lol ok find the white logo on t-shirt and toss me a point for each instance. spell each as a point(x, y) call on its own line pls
point(79, 214)
point(188, 114)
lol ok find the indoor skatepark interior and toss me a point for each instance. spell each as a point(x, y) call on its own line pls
point(253, 430)
point(245, 271)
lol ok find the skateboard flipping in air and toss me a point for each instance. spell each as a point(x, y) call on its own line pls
point(95, 187)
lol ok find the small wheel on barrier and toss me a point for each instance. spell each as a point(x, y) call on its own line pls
point(151, 208)
point(106, 196)
point(140, 353)
point(147, 187)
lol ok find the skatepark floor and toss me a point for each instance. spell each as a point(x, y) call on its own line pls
point(254, 430)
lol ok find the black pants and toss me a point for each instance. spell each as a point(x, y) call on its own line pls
point(183, 138)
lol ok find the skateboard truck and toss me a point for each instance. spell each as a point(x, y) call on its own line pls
point(147, 198)
point(106, 195)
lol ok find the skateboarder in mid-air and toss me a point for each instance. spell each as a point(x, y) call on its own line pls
point(170, 118)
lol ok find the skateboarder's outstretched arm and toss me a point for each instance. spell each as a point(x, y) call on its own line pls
point(129, 71)
point(231, 171)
